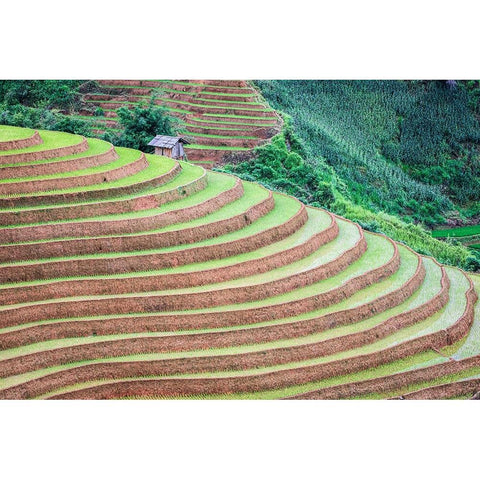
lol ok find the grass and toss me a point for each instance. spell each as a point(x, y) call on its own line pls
point(220, 127)
point(93, 118)
point(216, 185)
point(239, 124)
point(223, 94)
point(200, 84)
point(197, 95)
point(156, 166)
point(315, 361)
point(188, 174)
point(450, 378)
point(126, 157)
point(383, 370)
point(8, 133)
point(379, 252)
point(219, 137)
point(252, 197)
point(219, 351)
point(457, 232)
point(286, 207)
point(202, 93)
point(316, 223)
point(95, 147)
point(210, 107)
point(225, 115)
point(50, 139)
point(365, 295)
point(323, 255)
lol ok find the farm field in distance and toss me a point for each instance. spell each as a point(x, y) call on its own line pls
point(467, 231)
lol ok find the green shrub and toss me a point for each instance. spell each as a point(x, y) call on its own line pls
point(406, 148)
point(308, 184)
point(140, 125)
point(42, 118)
point(45, 94)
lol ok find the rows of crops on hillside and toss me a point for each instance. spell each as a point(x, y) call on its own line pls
point(408, 148)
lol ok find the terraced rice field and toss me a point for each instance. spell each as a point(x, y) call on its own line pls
point(468, 235)
point(219, 118)
point(125, 275)
point(467, 231)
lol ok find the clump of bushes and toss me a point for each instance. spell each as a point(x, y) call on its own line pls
point(44, 94)
point(280, 166)
point(409, 148)
point(42, 118)
point(283, 165)
point(140, 125)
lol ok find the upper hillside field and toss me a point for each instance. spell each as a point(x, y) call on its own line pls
point(408, 148)
point(221, 103)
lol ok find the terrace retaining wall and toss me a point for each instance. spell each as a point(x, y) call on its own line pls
point(268, 381)
point(201, 109)
point(447, 390)
point(119, 226)
point(225, 141)
point(172, 302)
point(15, 202)
point(46, 185)
point(108, 266)
point(169, 281)
point(112, 207)
point(392, 382)
point(259, 382)
point(238, 337)
point(228, 121)
point(21, 143)
point(259, 132)
point(25, 157)
point(59, 166)
point(135, 242)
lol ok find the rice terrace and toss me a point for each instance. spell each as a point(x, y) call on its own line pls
point(271, 259)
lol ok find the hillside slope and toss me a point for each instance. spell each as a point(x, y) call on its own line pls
point(125, 275)
point(409, 148)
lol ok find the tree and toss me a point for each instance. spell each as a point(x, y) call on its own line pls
point(141, 124)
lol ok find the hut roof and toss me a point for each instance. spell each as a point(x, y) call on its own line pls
point(164, 141)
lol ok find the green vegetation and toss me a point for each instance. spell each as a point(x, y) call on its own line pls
point(270, 290)
point(42, 118)
point(214, 147)
point(50, 140)
point(283, 165)
point(140, 125)
point(457, 232)
point(395, 144)
point(11, 133)
point(55, 104)
point(95, 147)
point(43, 94)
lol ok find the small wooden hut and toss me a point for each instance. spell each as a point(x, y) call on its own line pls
point(169, 146)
